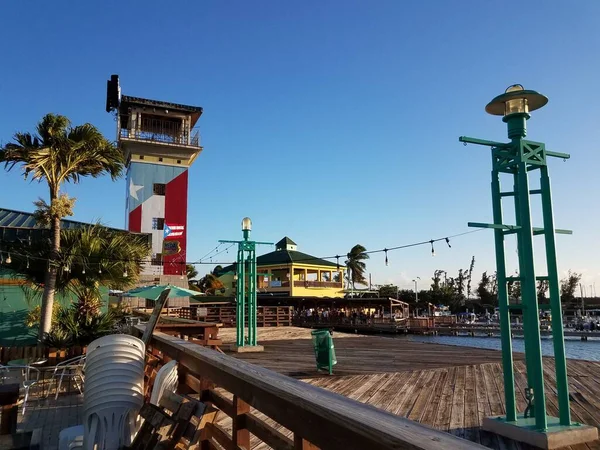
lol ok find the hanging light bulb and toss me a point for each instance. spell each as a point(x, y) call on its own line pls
point(83, 270)
point(125, 274)
point(337, 262)
point(387, 262)
point(432, 249)
point(99, 269)
point(8, 259)
point(67, 268)
point(448, 242)
point(28, 262)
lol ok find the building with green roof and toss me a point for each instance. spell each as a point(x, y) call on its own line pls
point(290, 273)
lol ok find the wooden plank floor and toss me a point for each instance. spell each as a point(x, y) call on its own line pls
point(446, 387)
point(456, 399)
point(293, 353)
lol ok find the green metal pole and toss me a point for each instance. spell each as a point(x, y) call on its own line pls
point(242, 285)
point(239, 300)
point(529, 295)
point(507, 359)
point(562, 384)
point(251, 296)
point(524, 311)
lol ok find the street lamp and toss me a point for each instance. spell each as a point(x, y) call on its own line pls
point(520, 158)
point(416, 289)
point(246, 268)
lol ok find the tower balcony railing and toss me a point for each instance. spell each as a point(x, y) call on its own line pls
point(181, 138)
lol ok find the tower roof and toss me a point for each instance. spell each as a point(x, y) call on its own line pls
point(282, 244)
point(128, 101)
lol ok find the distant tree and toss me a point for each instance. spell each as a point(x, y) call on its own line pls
point(191, 272)
point(210, 284)
point(514, 290)
point(470, 276)
point(542, 289)
point(389, 291)
point(217, 270)
point(356, 265)
point(568, 286)
point(485, 290)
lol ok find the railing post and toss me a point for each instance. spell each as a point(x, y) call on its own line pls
point(303, 444)
point(240, 435)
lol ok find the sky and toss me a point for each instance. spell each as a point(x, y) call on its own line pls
point(333, 123)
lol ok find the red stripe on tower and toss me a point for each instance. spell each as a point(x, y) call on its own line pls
point(176, 216)
point(135, 220)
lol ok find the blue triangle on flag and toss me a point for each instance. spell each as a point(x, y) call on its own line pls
point(168, 230)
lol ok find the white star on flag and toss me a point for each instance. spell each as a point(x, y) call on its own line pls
point(133, 189)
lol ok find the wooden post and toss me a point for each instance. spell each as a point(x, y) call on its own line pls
point(9, 398)
point(241, 436)
point(303, 444)
point(155, 317)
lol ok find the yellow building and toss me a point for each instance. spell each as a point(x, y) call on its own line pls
point(290, 273)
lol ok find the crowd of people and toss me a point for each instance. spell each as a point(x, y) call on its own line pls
point(352, 316)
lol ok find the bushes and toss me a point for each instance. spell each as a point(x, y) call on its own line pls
point(78, 324)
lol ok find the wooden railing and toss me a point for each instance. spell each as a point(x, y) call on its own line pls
point(31, 353)
point(317, 284)
point(306, 417)
point(267, 316)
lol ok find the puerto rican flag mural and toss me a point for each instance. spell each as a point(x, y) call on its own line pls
point(163, 216)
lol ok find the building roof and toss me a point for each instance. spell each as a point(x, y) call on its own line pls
point(285, 257)
point(127, 101)
point(10, 218)
point(282, 244)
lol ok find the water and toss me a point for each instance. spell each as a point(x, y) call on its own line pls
point(574, 347)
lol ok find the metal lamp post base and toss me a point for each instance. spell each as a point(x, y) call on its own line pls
point(555, 436)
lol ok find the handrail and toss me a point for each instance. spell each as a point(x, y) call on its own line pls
point(316, 416)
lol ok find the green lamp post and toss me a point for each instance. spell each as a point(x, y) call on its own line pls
point(518, 158)
point(245, 295)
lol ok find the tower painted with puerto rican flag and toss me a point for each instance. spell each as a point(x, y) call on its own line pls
point(160, 141)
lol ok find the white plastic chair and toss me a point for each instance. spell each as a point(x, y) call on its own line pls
point(71, 368)
point(26, 376)
point(110, 428)
point(166, 381)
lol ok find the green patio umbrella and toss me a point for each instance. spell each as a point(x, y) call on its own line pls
point(153, 292)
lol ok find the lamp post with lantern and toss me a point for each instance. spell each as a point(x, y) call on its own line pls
point(245, 294)
point(517, 159)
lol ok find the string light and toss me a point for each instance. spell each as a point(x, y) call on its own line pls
point(125, 274)
point(310, 258)
point(83, 270)
point(27, 263)
point(8, 259)
point(67, 268)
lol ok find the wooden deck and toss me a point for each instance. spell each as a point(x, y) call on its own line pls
point(289, 350)
point(448, 388)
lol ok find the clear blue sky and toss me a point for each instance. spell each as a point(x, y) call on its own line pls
point(333, 123)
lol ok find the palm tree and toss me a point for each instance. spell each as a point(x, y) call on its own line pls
point(210, 284)
point(89, 258)
point(57, 153)
point(356, 266)
point(191, 272)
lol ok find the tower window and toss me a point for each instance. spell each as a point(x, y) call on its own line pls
point(178, 161)
point(141, 156)
point(159, 189)
point(158, 223)
point(160, 159)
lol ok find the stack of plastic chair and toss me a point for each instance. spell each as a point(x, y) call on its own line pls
point(113, 394)
point(166, 381)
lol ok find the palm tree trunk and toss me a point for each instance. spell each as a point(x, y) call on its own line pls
point(50, 279)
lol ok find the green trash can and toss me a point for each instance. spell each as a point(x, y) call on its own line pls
point(324, 350)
